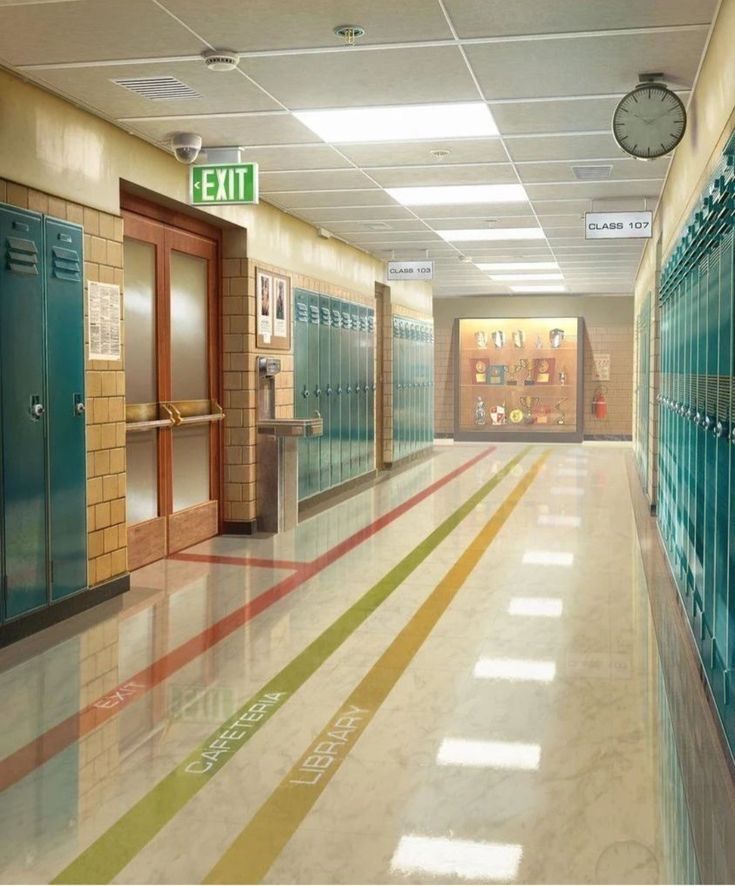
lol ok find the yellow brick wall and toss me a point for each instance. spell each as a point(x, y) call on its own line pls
point(105, 385)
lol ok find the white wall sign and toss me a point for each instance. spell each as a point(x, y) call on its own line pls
point(617, 225)
point(410, 270)
point(602, 367)
point(104, 321)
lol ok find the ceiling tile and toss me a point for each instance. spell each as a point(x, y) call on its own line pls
point(309, 199)
point(584, 65)
point(301, 157)
point(391, 154)
point(224, 131)
point(94, 88)
point(486, 18)
point(327, 214)
point(293, 23)
point(621, 169)
point(476, 212)
point(565, 147)
point(380, 77)
point(274, 182)
point(594, 190)
point(571, 115)
point(445, 175)
point(90, 30)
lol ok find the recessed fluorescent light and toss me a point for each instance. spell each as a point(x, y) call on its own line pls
point(519, 266)
point(538, 288)
point(400, 123)
point(545, 607)
point(466, 859)
point(473, 234)
point(515, 670)
point(449, 195)
point(517, 277)
point(489, 754)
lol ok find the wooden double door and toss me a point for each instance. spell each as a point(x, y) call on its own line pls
point(172, 378)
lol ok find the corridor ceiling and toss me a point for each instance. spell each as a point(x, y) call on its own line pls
point(550, 71)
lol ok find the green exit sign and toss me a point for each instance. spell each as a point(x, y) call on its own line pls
point(221, 184)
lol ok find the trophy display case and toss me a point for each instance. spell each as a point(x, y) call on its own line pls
point(519, 379)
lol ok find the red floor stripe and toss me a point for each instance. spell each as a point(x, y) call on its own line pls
point(42, 749)
point(238, 561)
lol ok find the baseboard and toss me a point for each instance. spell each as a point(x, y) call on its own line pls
point(322, 500)
point(407, 460)
point(239, 527)
point(56, 612)
point(447, 436)
point(621, 438)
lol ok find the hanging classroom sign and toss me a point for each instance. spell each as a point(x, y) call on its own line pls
point(618, 225)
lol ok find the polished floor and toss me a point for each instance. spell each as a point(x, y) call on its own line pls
point(450, 677)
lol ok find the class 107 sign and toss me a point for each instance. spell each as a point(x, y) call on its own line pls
point(410, 270)
point(618, 225)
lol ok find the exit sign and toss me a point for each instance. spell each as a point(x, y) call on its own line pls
point(222, 184)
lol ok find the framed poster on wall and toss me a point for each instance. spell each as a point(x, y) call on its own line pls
point(272, 310)
point(519, 379)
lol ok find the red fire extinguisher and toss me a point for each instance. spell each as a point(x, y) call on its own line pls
point(599, 404)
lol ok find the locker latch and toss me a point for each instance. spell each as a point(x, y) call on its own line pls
point(37, 408)
point(79, 407)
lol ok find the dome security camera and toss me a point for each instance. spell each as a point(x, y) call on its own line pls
point(186, 146)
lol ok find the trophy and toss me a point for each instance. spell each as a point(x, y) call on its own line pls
point(480, 414)
point(556, 337)
point(498, 338)
point(520, 366)
point(529, 404)
point(481, 339)
point(519, 338)
point(539, 343)
point(562, 418)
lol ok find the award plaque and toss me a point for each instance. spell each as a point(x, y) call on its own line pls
point(543, 370)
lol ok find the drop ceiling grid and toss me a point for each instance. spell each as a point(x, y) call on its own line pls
point(541, 136)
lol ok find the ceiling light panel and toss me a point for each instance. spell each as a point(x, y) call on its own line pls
point(448, 195)
point(400, 123)
point(468, 235)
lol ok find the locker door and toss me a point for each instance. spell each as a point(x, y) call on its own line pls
point(431, 386)
point(371, 390)
point(362, 398)
point(346, 395)
point(66, 428)
point(397, 390)
point(313, 476)
point(326, 389)
point(335, 363)
point(23, 396)
point(355, 401)
point(300, 384)
point(710, 304)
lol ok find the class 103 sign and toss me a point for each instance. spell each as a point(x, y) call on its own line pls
point(410, 270)
point(618, 225)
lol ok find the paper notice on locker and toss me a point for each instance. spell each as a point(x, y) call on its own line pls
point(104, 321)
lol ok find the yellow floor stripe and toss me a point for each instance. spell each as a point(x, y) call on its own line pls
point(260, 843)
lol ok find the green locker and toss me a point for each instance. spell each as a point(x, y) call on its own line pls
point(355, 396)
point(371, 390)
point(335, 363)
point(301, 380)
point(24, 406)
point(314, 449)
point(362, 396)
point(398, 398)
point(325, 390)
point(345, 350)
point(66, 436)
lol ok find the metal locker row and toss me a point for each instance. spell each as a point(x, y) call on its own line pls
point(643, 383)
point(697, 432)
point(43, 508)
point(413, 386)
point(334, 374)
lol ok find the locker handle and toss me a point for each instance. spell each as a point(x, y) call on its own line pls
point(339, 389)
point(305, 393)
point(330, 390)
point(317, 391)
point(37, 408)
point(79, 407)
point(349, 389)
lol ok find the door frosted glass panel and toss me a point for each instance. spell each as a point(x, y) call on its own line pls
point(140, 322)
point(189, 368)
point(142, 453)
point(191, 466)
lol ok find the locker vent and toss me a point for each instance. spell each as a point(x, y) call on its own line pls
point(157, 89)
point(22, 256)
point(302, 312)
point(336, 318)
point(66, 264)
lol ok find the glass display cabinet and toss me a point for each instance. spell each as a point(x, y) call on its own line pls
point(519, 379)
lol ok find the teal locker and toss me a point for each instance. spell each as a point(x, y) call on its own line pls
point(355, 399)
point(325, 390)
point(710, 303)
point(302, 393)
point(346, 395)
point(335, 362)
point(398, 403)
point(362, 394)
point(371, 390)
point(66, 436)
point(23, 399)
point(313, 472)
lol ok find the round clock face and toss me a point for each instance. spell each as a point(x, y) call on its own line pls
point(649, 122)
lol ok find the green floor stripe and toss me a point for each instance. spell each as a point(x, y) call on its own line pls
point(118, 845)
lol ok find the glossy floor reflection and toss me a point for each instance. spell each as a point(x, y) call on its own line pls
point(518, 732)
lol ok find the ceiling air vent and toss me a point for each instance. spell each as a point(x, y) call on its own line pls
point(592, 173)
point(158, 89)
point(379, 226)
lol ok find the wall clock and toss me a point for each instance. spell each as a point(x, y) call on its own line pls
point(649, 121)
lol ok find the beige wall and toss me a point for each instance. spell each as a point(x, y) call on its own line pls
point(711, 121)
point(608, 330)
